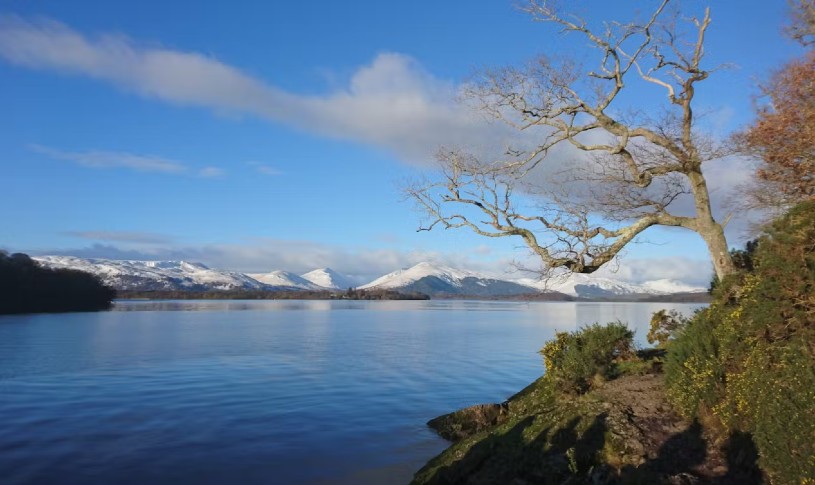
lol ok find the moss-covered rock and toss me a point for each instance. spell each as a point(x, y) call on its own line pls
point(469, 421)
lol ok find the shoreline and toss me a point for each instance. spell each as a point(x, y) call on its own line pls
point(625, 431)
point(230, 295)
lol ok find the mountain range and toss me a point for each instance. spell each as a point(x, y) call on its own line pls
point(432, 279)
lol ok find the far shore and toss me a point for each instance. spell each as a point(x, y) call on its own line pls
point(701, 297)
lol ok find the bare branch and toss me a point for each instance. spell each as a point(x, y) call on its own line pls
point(629, 174)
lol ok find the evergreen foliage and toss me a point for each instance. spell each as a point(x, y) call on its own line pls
point(742, 261)
point(665, 325)
point(574, 361)
point(749, 359)
point(26, 287)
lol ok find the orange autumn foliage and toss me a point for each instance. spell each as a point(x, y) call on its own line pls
point(783, 136)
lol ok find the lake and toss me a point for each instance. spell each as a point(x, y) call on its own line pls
point(319, 392)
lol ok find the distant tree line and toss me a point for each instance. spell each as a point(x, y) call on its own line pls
point(533, 296)
point(350, 294)
point(27, 287)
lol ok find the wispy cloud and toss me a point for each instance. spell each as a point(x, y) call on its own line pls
point(697, 272)
point(141, 163)
point(391, 103)
point(122, 236)
point(105, 159)
point(264, 169)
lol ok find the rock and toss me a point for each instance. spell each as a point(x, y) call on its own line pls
point(683, 479)
point(468, 421)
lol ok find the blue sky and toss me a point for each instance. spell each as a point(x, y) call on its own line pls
point(277, 135)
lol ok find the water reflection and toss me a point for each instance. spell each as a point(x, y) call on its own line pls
point(272, 391)
point(252, 305)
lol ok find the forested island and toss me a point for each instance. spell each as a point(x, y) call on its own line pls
point(27, 287)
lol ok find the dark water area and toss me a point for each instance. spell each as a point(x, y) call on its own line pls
point(320, 392)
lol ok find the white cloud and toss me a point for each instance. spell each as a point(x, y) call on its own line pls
point(105, 159)
point(697, 272)
point(691, 271)
point(264, 169)
point(392, 103)
point(141, 163)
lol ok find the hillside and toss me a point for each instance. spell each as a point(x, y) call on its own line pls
point(154, 275)
point(441, 280)
point(284, 279)
point(328, 278)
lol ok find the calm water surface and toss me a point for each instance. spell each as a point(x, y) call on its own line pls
point(262, 392)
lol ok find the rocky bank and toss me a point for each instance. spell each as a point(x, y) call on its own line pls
point(624, 431)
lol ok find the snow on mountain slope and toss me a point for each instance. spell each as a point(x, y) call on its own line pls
point(154, 275)
point(328, 278)
point(438, 280)
point(423, 278)
point(404, 277)
point(285, 278)
point(672, 286)
point(585, 285)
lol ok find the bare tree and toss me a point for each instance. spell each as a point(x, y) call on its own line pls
point(634, 166)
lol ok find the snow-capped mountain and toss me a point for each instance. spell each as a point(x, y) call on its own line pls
point(442, 280)
point(436, 280)
point(154, 275)
point(588, 286)
point(583, 285)
point(284, 279)
point(431, 279)
point(403, 277)
point(666, 286)
point(328, 278)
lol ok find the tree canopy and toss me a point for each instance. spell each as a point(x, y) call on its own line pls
point(26, 287)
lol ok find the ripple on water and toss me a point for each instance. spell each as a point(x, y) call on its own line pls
point(259, 392)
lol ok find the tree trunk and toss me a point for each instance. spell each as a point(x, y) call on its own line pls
point(719, 252)
point(707, 227)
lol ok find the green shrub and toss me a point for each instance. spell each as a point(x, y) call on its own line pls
point(575, 360)
point(665, 325)
point(773, 397)
point(693, 373)
point(749, 359)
